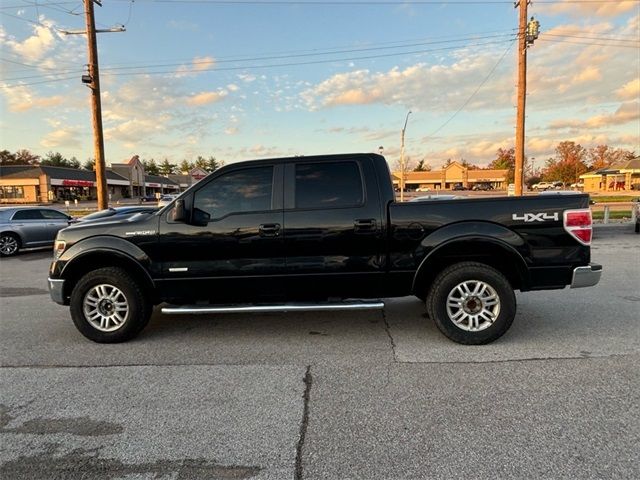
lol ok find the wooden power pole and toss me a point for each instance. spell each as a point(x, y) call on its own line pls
point(527, 34)
point(522, 94)
point(96, 107)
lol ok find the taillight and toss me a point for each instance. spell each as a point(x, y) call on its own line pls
point(579, 224)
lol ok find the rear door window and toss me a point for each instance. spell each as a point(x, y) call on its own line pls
point(328, 185)
point(32, 214)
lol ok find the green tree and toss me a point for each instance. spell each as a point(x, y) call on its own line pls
point(505, 160)
point(202, 163)
point(25, 157)
point(89, 164)
point(213, 164)
point(7, 158)
point(55, 159)
point(422, 166)
point(166, 168)
point(74, 162)
point(150, 167)
point(185, 166)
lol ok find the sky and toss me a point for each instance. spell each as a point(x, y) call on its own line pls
point(243, 79)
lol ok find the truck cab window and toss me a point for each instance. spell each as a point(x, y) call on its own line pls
point(327, 185)
point(241, 191)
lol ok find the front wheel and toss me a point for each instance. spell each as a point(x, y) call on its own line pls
point(9, 244)
point(108, 306)
point(471, 303)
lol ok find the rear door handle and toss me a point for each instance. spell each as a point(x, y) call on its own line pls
point(269, 229)
point(365, 225)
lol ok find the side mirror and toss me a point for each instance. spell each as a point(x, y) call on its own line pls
point(200, 218)
point(178, 213)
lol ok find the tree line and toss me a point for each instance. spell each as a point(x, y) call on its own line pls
point(569, 162)
point(151, 167)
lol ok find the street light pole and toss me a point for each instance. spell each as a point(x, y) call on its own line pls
point(402, 165)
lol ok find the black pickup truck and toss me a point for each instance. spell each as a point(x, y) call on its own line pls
point(321, 233)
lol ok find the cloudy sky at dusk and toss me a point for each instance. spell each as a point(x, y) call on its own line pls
point(241, 80)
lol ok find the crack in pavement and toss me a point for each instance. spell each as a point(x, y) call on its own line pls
point(308, 381)
point(387, 329)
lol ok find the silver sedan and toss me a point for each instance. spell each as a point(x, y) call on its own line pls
point(25, 227)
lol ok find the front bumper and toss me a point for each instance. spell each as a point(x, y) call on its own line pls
point(56, 290)
point(586, 276)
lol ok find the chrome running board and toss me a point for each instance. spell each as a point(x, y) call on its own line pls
point(289, 307)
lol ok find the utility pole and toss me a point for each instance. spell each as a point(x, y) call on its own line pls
point(96, 107)
point(527, 33)
point(92, 80)
point(402, 165)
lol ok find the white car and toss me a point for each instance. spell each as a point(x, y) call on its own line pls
point(543, 186)
point(166, 200)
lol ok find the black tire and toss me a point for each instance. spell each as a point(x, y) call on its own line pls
point(637, 227)
point(109, 279)
point(10, 244)
point(496, 318)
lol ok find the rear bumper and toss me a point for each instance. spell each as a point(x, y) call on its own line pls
point(56, 290)
point(586, 276)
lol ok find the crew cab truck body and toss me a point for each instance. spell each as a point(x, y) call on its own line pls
point(312, 232)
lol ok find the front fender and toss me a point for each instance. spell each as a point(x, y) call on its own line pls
point(101, 244)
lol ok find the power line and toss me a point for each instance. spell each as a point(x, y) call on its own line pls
point(313, 62)
point(39, 83)
point(591, 37)
point(274, 57)
point(372, 3)
point(329, 50)
point(474, 93)
point(278, 65)
point(33, 5)
point(313, 54)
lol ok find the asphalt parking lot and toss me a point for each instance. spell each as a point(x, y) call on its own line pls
point(368, 395)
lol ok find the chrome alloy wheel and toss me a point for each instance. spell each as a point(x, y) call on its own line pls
point(105, 307)
point(473, 305)
point(8, 245)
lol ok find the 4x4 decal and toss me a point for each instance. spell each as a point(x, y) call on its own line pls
point(535, 217)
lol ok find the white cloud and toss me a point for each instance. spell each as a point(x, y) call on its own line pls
point(205, 98)
point(583, 9)
point(68, 137)
point(37, 45)
point(437, 87)
point(630, 90)
point(627, 112)
point(22, 98)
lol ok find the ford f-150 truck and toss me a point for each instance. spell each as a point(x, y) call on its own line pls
point(321, 232)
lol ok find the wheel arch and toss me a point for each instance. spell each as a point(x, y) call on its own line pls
point(487, 250)
point(91, 260)
point(13, 233)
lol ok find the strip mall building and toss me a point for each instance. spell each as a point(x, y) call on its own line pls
point(451, 175)
point(44, 183)
point(617, 177)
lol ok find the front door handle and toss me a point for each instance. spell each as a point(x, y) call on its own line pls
point(365, 225)
point(269, 230)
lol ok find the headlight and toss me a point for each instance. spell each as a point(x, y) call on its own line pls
point(58, 248)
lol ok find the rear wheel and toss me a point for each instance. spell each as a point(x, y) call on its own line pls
point(108, 306)
point(471, 303)
point(9, 244)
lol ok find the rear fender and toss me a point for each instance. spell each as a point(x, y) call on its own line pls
point(485, 242)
